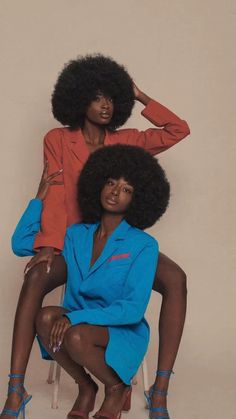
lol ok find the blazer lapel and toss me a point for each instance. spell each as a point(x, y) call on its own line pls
point(85, 250)
point(108, 251)
point(78, 146)
point(111, 246)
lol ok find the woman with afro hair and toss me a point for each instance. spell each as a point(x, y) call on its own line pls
point(111, 265)
point(92, 98)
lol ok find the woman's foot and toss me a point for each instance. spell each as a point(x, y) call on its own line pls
point(85, 401)
point(157, 395)
point(117, 399)
point(157, 401)
point(14, 401)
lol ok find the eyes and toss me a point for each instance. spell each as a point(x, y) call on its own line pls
point(99, 97)
point(124, 188)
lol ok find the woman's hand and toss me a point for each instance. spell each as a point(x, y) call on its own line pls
point(58, 332)
point(140, 96)
point(46, 181)
point(46, 254)
point(136, 91)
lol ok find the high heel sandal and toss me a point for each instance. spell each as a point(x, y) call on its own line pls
point(17, 389)
point(102, 414)
point(79, 413)
point(148, 395)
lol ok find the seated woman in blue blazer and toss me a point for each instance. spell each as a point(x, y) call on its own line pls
point(111, 265)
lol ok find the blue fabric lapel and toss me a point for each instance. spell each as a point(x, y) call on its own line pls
point(110, 248)
point(85, 249)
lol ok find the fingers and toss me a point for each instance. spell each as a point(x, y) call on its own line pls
point(52, 335)
point(50, 259)
point(47, 181)
point(45, 170)
point(53, 175)
point(39, 258)
point(55, 182)
point(57, 333)
point(33, 262)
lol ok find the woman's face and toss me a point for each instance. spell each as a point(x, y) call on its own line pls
point(100, 110)
point(116, 195)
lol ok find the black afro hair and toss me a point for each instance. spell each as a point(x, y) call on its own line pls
point(140, 169)
point(79, 83)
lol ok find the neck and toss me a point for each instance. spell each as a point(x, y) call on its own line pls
point(93, 134)
point(109, 222)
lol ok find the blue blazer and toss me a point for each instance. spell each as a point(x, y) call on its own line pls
point(114, 292)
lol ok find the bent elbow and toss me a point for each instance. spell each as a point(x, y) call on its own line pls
point(185, 129)
point(17, 250)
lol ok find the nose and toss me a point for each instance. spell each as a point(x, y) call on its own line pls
point(105, 102)
point(115, 191)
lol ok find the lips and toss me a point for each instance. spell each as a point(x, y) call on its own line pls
point(105, 115)
point(111, 201)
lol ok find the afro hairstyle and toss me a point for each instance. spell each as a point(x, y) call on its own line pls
point(136, 166)
point(79, 83)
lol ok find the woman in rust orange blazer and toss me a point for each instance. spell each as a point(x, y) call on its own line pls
point(93, 97)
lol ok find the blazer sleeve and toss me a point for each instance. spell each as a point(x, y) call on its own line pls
point(24, 235)
point(137, 290)
point(54, 218)
point(170, 130)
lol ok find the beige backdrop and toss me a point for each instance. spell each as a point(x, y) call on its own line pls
point(183, 54)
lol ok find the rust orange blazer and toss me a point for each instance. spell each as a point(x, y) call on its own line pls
point(67, 149)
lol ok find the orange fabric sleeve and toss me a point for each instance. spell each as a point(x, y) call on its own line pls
point(53, 219)
point(170, 130)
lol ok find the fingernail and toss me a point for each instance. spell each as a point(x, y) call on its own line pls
point(61, 170)
point(48, 269)
point(59, 343)
point(54, 350)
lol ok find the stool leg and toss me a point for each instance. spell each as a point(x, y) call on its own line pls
point(56, 387)
point(145, 375)
point(50, 378)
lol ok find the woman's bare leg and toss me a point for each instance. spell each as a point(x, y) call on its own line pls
point(84, 347)
point(37, 283)
point(87, 387)
point(170, 282)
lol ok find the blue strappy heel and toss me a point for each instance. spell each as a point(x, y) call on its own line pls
point(17, 389)
point(154, 389)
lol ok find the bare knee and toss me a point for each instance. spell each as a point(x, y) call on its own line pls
point(34, 279)
point(76, 341)
point(44, 321)
point(170, 277)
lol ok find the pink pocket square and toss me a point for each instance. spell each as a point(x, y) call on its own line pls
point(120, 256)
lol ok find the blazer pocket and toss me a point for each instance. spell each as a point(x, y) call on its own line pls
point(116, 263)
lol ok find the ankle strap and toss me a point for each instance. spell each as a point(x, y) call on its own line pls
point(156, 390)
point(162, 373)
point(160, 392)
point(16, 375)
